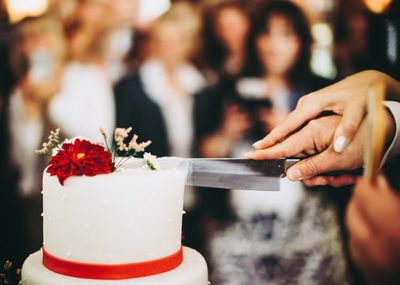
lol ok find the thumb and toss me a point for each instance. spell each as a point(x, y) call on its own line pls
point(313, 166)
point(348, 126)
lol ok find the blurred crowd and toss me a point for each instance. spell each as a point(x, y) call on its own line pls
point(203, 79)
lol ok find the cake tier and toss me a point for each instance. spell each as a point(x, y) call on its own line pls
point(193, 271)
point(131, 215)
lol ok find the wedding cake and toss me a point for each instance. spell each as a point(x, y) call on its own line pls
point(122, 227)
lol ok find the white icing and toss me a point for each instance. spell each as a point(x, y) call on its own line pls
point(193, 271)
point(127, 216)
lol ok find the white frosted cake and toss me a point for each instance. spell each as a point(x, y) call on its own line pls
point(118, 228)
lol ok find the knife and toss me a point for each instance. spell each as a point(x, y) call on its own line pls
point(231, 173)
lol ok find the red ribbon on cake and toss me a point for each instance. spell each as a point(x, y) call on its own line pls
point(111, 271)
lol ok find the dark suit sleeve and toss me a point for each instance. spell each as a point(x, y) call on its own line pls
point(208, 112)
point(125, 102)
point(135, 109)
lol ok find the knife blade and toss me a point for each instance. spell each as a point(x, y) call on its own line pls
point(230, 173)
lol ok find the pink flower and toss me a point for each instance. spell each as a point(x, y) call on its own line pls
point(104, 133)
point(120, 134)
point(138, 147)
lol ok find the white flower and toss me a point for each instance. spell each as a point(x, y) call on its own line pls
point(151, 161)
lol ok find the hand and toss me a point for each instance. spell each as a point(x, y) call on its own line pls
point(315, 139)
point(347, 98)
point(235, 122)
point(234, 125)
point(372, 219)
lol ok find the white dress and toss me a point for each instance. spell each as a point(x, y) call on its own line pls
point(85, 102)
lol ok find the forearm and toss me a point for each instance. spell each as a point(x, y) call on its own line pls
point(392, 86)
point(393, 89)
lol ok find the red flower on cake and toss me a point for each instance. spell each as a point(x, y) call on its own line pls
point(80, 157)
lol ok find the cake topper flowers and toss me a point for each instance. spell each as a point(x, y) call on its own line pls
point(82, 157)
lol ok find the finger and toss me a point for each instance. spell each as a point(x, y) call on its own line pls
point(335, 181)
point(313, 166)
point(316, 181)
point(293, 121)
point(348, 126)
point(298, 143)
point(342, 180)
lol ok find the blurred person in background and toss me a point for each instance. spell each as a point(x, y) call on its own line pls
point(367, 37)
point(226, 28)
point(225, 59)
point(118, 41)
point(290, 237)
point(351, 39)
point(158, 101)
point(86, 99)
point(121, 39)
point(38, 52)
point(280, 74)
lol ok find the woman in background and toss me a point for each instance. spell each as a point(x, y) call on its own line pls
point(86, 100)
point(280, 75)
point(226, 59)
point(290, 237)
point(158, 101)
point(226, 28)
point(38, 52)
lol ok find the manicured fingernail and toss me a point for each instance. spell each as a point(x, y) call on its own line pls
point(294, 174)
point(256, 144)
point(340, 143)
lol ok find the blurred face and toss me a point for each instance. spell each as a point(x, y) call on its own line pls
point(43, 77)
point(125, 12)
point(170, 43)
point(232, 27)
point(279, 47)
point(35, 42)
point(94, 13)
